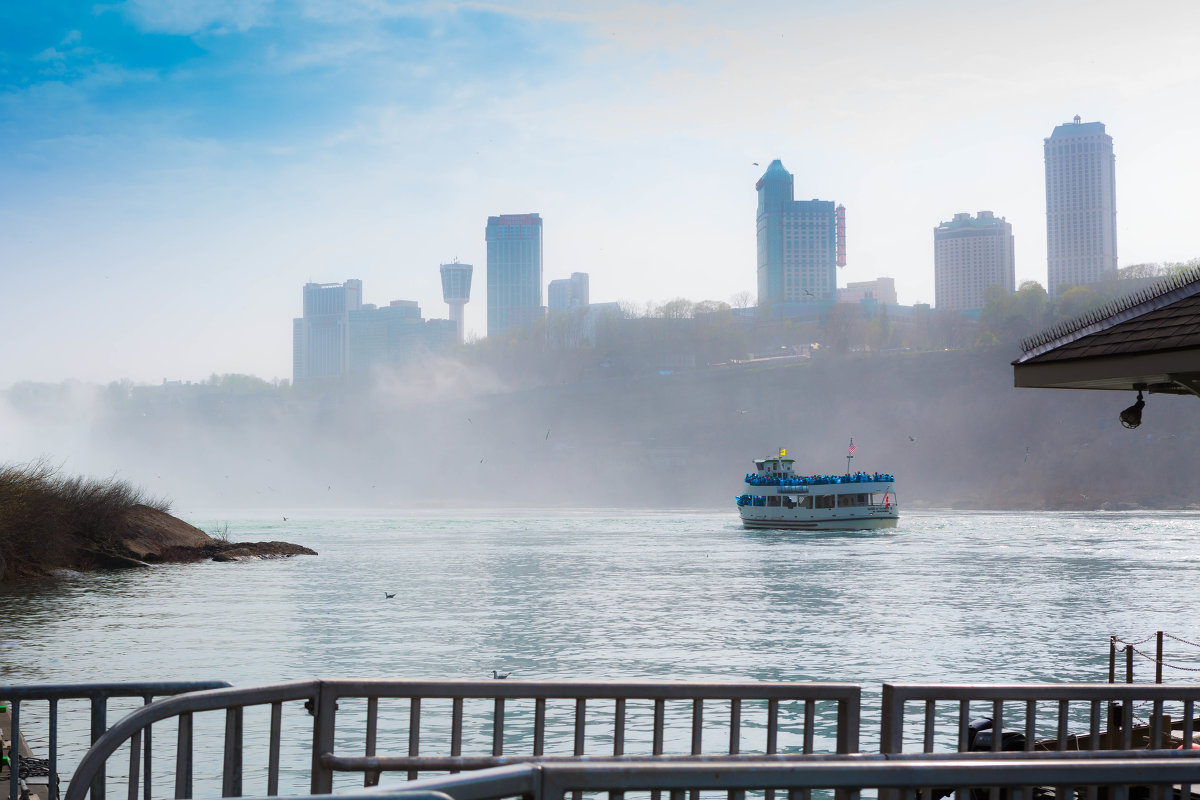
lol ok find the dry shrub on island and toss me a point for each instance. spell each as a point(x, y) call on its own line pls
point(44, 515)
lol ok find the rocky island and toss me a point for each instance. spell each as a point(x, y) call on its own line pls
point(50, 523)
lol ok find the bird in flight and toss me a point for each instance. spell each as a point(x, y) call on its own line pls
point(387, 596)
point(910, 438)
point(500, 675)
point(810, 294)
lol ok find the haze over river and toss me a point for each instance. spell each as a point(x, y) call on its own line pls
point(606, 595)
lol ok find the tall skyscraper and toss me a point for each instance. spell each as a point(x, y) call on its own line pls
point(800, 243)
point(568, 294)
point(514, 271)
point(321, 337)
point(1081, 205)
point(456, 291)
point(969, 255)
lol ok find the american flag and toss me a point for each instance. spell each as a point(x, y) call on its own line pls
point(852, 447)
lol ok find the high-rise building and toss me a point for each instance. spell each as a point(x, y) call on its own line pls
point(339, 334)
point(456, 291)
point(568, 294)
point(514, 271)
point(969, 255)
point(321, 337)
point(1081, 205)
point(800, 243)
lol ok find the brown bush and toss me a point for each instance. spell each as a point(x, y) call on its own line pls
point(46, 519)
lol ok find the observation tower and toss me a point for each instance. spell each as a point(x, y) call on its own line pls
point(456, 291)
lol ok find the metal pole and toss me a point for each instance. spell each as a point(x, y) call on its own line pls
point(1158, 661)
point(1129, 663)
point(1112, 659)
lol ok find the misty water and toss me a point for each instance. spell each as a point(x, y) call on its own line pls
point(600, 595)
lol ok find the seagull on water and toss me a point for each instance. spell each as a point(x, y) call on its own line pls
point(387, 596)
point(500, 675)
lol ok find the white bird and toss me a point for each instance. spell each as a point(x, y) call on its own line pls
point(500, 675)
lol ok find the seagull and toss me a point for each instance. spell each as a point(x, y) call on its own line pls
point(1026, 453)
point(910, 438)
point(810, 294)
point(387, 596)
point(743, 411)
point(756, 163)
point(500, 675)
point(547, 434)
point(285, 519)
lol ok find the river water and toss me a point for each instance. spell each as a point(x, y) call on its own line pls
point(601, 594)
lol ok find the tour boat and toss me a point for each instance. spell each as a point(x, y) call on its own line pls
point(776, 497)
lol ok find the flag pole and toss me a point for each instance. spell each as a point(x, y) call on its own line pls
point(849, 455)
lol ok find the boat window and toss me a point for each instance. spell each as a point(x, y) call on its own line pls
point(773, 501)
point(825, 501)
point(851, 500)
point(805, 502)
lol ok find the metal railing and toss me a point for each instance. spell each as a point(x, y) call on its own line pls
point(768, 704)
point(898, 775)
point(638, 728)
point(98, 695)
point(1083, 702)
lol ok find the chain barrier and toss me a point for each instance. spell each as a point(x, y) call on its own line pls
point(1149, 657)
point(1139, 641)
point(1184, 641)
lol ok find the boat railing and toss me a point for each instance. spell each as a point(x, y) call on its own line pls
point(45, 731)
point(753, 479)
point(427, 727)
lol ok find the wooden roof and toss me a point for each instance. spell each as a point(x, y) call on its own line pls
point(1148, 341)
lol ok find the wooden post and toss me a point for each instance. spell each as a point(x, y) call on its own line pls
point(1112, 659)
point(1158, 661)
point(1129, 663)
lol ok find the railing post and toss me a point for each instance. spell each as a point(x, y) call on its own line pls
point(14, 753)
point(324, 705)
point(1129, 663)
point(891, 731)
point(892, 722)
point(231, 772)
point(183, 758)
point(1158, 661)
point(99, 726)
point(54, 793)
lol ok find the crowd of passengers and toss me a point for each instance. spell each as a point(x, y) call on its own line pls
point(754, 479)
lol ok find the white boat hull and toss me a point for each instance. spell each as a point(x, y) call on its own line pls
point(781, 519)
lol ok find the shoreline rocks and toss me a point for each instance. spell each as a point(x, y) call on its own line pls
point(140, 537)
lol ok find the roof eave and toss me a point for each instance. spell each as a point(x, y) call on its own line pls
point(1156, 372)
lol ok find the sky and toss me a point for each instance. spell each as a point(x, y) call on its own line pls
point(173, 171)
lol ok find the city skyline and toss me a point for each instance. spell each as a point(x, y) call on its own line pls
point(174, 170)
